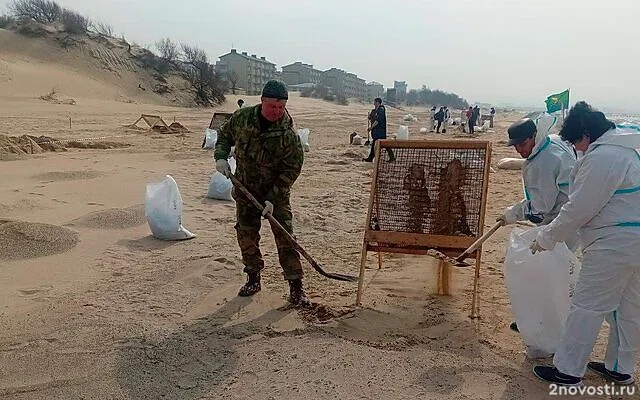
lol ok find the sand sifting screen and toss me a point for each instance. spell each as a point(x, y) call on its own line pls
point(430, 198)
point(433, 191)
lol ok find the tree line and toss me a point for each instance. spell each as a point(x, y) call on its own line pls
point(429, 97)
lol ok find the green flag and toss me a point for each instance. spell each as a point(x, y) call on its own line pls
point(557, 102)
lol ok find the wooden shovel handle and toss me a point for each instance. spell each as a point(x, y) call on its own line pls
point(480, 240)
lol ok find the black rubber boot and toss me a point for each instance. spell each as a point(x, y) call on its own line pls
point(296, 294)
point(252, 286)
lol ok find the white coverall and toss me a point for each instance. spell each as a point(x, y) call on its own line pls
point(604, 206)
point(432, 120)
point(546, 175)
point(463, 120)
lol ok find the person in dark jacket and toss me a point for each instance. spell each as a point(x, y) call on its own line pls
point(471, 115)
point(378, 129)
point(440, 118)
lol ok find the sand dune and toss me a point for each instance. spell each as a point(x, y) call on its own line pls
point(93, 70)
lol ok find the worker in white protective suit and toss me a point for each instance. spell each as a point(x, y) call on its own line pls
point(545, 174)
point(604, 206)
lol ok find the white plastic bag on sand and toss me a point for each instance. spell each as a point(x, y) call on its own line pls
point(423, 130)
point(163, 209)
point(540, 286)
point(403, 133)
point(409, 118)
point(511, 163)
point(357, 140)
point(304, 138)
point(210, 139)
point(220, 186)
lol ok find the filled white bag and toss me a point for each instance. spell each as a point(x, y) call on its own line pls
point(220, 186)
point(409, 118)
point(540, 287)
point(210, 139)
point(163, 209)
point(304, 138)
point(403, 133)
point(357, 140)
point(510, 163)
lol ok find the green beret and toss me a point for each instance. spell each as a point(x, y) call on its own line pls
point(275, 89)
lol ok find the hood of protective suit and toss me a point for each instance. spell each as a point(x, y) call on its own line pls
point(544, 125)
point(624, 137)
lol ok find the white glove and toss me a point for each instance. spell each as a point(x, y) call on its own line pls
point(268, 208)
point(223, 167)
point(535, 247)
point(512, 214)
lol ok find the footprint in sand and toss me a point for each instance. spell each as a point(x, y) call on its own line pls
point(224, 260)
point(34, 291)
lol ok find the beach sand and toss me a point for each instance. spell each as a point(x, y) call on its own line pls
point(93, 307)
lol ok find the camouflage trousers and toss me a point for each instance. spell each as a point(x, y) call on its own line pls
point(248, 224)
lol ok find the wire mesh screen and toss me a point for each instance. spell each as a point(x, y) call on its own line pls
point(434, 191)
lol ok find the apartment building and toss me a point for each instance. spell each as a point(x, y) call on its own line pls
point(246, 72)
point(300, 73)
point(344, 83)
point(401, 90)
point(374, 89)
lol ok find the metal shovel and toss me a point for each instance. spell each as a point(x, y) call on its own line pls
point(274, 222)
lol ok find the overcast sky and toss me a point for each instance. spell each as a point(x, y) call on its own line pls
point(495, 51)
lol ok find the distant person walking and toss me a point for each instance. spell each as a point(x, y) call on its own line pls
point(378, 129)
point(476, 112)
point(493, 115)
point(471, 117)
point(440, 118)
point(432, 119)
point(447, 117)
point(464, 120)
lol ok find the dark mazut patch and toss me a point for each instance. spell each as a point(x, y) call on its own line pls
point(23, 240)
point(96, 145)
point(67, 175)
point(114, 218)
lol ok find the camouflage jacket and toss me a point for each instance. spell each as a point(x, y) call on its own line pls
point(267, 162)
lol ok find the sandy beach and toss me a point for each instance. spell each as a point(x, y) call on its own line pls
point(93, 307)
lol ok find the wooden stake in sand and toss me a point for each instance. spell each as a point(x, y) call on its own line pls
point(444, 278)
point(430, 199)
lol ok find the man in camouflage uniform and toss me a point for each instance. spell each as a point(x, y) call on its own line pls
point(269, 159)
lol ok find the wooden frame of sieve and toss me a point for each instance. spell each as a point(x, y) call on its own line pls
point(416, 243)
